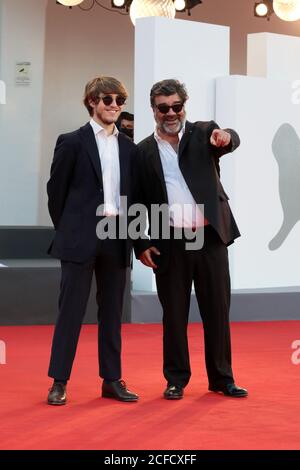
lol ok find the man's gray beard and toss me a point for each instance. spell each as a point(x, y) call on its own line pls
point(164, 128)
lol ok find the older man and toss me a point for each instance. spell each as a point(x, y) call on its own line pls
point(179, 166)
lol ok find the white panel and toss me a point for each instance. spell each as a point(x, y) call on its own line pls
point(22, 32)
point(263, 179)
point(257, 55)
point(274, 56)
point(195, 53)
point(2, 92)
point(180, 49)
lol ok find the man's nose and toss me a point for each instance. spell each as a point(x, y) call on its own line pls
point(114, 104)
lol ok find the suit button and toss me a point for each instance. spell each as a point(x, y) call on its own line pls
point(101, 190)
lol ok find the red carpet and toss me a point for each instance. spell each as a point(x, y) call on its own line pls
point(268, 419)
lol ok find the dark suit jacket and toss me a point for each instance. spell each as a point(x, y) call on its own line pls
point(199, 164)
point(75, 190)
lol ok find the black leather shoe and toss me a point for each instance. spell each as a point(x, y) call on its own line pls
point(173, 392)
point(118, 391)
point(57, 394)
point(230, 390)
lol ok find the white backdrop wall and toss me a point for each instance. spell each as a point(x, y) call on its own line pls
point(274, 56)
point(68, 47)
point(170, 54)
point(264, 175)
point(76, 46)
point(259, 109)
point(22, 33)
point(79, 46)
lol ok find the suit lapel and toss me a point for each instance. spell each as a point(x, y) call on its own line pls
point(124, 164)
point(185, 138)
point(90, 143)
point(156, 162)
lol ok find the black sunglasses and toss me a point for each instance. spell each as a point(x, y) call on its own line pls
point(108, 99)
point(165, 108)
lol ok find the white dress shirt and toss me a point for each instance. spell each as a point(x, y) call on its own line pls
point(184, 211)
point(108, 148)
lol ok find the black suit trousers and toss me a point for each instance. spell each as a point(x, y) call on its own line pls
point(208, 268)
point(76, 280)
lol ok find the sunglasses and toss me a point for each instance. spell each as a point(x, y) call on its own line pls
point(108, 100)
point(165, 108)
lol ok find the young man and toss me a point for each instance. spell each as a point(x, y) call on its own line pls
point(179, 166)
point(93, 165)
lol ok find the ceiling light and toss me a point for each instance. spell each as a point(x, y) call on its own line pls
point(263, 9)
point(189, 4)
point(70, 3)
point(145, 8)
point(118, 3)
point(139, 8)
point(287, 10)
point(179, 5)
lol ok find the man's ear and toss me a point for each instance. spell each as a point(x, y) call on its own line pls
point(92, 103)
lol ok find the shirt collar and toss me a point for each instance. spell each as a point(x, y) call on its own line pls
point(98, 128)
